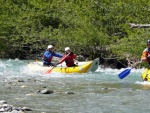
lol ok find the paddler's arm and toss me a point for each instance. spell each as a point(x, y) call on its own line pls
point(73, 55)
point(57, 55)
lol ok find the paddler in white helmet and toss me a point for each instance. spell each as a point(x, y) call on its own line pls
point(48, 55)
point(69, 57)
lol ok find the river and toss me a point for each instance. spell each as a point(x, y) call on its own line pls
point(98, 92)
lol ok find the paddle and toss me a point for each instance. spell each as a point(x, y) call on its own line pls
point(126, 72)
point(50, 70)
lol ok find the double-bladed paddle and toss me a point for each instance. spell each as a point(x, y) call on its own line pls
point(126, 72)
point(50, 70)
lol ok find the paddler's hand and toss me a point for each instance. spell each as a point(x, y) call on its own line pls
point(55, 64)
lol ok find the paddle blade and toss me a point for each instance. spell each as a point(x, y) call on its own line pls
point(49, 71)
point(124, 73)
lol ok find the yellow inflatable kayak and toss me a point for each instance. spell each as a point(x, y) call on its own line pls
point(83, 67)
point(146, 75)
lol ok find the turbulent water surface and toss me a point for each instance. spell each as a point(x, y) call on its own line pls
point(98, 92)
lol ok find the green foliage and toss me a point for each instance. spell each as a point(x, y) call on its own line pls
point(74, 23)
point(133, 45)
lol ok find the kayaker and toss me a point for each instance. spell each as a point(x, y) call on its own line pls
point(146, 53)
point(48, 55)
point(70, 56)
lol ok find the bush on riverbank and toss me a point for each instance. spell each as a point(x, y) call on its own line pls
point(92, 28)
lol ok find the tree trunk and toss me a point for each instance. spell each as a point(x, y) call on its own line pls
point(132, 25)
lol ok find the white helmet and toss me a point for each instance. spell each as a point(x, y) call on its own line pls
point(67, 48)
point(49, 46)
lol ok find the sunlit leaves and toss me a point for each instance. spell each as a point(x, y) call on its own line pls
point(75, 23)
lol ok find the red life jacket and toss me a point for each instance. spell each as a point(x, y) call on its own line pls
point(69, 60)
point(50, 59)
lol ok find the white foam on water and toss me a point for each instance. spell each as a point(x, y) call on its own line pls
point(116, 71)
point(18, 68)
point(143, 82)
